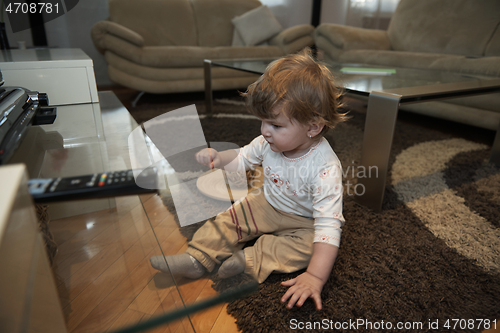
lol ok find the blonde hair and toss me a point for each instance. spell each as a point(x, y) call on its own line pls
point(304, 88)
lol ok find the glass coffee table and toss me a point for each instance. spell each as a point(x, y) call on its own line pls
point(102, 269)
point(385, 94)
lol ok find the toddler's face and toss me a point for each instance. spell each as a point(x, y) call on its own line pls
point(286, 135)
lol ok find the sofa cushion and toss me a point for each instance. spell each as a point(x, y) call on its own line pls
point(392, 58)
point(176, 16)
point(458, 113)
point(174, 86)
point(489, 66)
point(213, 19)
point(256, 26)
point(444, 62)
point(169, 74)
point(445, 26)
point(191, 56)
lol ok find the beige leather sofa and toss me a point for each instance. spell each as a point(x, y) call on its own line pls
point(158, 46)
point(451, 35)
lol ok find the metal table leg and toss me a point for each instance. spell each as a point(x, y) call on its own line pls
point(377, 142)
point(495, 150)
point(207, 67)
point(137, 98)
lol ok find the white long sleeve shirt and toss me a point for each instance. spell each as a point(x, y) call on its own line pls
point(309, 186)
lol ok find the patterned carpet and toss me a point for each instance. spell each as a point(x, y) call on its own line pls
point(430, 258)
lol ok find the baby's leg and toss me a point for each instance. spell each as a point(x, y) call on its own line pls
point(285, 252)
point(234, 265)
point(214, 242)
point(211, 243)
point(180, 265)
point(218, 240)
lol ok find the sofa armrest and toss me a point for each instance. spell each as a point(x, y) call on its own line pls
point(294, 39)
point(334, 38)
point(103, 28)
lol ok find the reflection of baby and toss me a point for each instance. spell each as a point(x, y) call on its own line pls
point(236, 179)
point(58, 157)
point(297, 218)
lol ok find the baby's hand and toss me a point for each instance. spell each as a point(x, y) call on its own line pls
point(301, 288)
point(209, 157)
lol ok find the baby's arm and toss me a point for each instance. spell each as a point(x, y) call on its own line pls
point(228, 159)
point(212, 158)
point(328, 221)
point(310, 283)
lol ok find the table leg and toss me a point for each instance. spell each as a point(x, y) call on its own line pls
point(495, 150)
point(377, 142)
point(207, 67)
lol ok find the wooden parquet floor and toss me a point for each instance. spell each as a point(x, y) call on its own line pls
point(104, 277)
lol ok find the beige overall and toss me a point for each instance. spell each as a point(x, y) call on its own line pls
point(284, 244)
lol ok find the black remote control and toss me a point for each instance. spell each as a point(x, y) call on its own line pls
point(94, 186)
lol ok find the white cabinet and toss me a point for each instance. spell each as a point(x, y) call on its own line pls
point(66, 75)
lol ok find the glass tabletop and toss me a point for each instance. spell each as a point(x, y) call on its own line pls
point(102, 270)
point(374, 77)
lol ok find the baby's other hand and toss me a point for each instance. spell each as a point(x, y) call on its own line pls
point(209, 157)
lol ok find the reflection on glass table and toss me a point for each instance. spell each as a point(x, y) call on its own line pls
point(102, 269)
point(170, 142)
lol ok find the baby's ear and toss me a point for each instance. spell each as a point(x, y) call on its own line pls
point(315, 127)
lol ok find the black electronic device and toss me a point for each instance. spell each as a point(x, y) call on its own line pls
point(20, 108)
point(94, 186)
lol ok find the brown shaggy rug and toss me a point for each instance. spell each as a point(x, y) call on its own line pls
point(430, 261)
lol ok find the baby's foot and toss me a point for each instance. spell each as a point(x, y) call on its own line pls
point(232, 266)
point(182, 265)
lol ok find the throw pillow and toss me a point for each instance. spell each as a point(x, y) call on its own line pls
point(237, 40)
point(255, 26)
